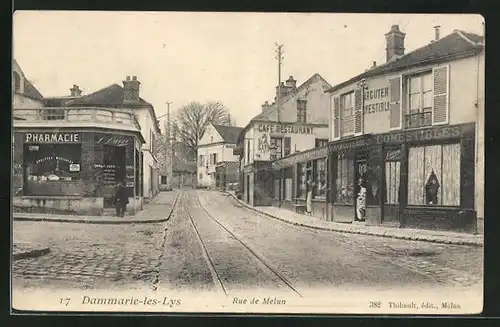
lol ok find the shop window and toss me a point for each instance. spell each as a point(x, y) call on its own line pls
point(420, 100)
point(276, 148)
point(301, 111)
point(347, 112)
point(319, 143)
point(304, 174)
point(345, 180)
point(52, 169)
point(434, 175)
point(320, 177)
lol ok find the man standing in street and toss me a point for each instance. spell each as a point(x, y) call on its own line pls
point(120, 199)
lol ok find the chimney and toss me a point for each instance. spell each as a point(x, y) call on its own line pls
point(436, 32)
point(283, 91)
point(291, 83)
point(374, 64)
point(265, 106)
point(131, 90)
point(75, 91)
point(395, 41)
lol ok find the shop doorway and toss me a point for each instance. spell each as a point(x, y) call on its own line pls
point(113, 171)
point(360, 187)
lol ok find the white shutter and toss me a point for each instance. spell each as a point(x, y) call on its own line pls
point(358, 111)
point(396, 110)
point(336, 118)
point(441, 107)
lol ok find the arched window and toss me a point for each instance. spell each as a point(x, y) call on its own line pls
point(17, 82)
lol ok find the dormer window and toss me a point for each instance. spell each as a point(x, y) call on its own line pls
point(17, 82)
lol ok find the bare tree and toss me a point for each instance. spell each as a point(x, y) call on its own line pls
point(192, 120)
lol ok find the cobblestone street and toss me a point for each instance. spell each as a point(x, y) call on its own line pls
point(253, 251)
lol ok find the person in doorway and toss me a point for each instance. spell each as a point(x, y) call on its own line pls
point(361, 200)
point(120, 199)
point(310, 185)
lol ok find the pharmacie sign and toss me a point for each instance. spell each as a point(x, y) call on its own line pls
point(52, 138)
point(284, 129)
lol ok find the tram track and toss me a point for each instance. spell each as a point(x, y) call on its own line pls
point(217, 278)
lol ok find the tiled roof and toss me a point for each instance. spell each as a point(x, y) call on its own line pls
point(269, 113)
point(228, 133)
point(31, 91)
point(58, 101)
point(110, 96)
point(453, 45)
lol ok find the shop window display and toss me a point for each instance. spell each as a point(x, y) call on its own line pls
point(434, 175)
point(51, 169)
point(345, 180)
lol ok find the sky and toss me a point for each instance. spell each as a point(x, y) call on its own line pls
point(181, 57)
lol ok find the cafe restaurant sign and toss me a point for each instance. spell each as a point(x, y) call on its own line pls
point(284, 129)
point(52, 138)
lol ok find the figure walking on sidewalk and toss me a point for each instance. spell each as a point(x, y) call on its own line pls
point(120, 199)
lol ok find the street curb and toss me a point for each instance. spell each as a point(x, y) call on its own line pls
point(88, 221)
point(31, 254)
point(98, 220)
point(387, 234)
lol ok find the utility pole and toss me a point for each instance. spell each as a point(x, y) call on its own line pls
point(168, 149)
point(279, 56)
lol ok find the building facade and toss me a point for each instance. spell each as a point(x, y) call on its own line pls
point(410, 132)
point(70, 152)
point(301, 124)
point(215, 149)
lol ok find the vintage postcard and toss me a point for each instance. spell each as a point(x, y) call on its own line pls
point(247, 162)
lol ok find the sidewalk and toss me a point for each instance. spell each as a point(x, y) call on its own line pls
point(400, 233)
point(156, 211)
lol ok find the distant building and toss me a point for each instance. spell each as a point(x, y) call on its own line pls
point(412, 128)
point(302, 124)
point(25, 94)
point(215, 149)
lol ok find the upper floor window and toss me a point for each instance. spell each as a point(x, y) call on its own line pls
point(17, 82)
point(301, 111)
point(321, 143)
point(276, 148)
point(200, 160)
point(213, 158)
point(347, 112)
point(211, 139)
point(248, 151)
point(418, 111)
point(347, 104)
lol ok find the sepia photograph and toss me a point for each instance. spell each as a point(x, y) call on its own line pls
point(275, 163)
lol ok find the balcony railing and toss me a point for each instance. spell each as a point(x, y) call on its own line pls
point(76, 115)
point(419, 119)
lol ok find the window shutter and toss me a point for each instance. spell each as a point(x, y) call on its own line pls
point(336, 118)
point(395, 112)
point(358, 112)
point(440, 109)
